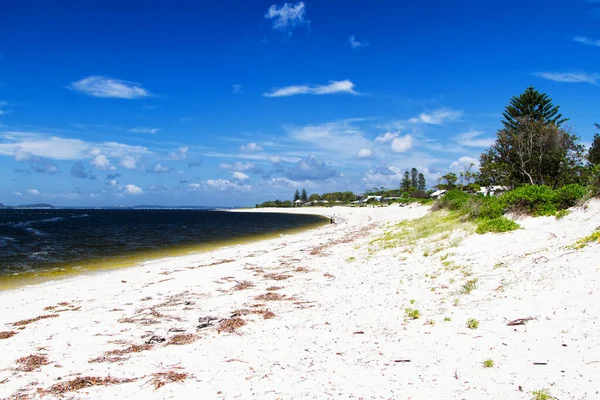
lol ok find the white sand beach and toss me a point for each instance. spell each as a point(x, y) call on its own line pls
point(321, 314)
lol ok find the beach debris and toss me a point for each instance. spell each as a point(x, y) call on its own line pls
point(273, 288)
point(7, 334)
point(540, 363)
point(115, 355)
point(270, 296)
point(277, 277)
point(230, 325)
point(181, 339)
point(160, 379)
point(266, 314)
point(176, 330)
point(32, 362)
point(401, 361)
point(155, 339)
point(32, 320)
point(358, 333)
point(519, 321)
point(83, 382)
point(243, 285)
point(206, 322)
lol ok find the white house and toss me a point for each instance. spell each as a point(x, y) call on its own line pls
point(492, 190)
point(437, 194)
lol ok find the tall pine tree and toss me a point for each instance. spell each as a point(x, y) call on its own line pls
point(297, 195)
point(405, 185)
point(593, 156)
point(304, 196)
point(414, 174)
point(535, 106)
point(421, 182)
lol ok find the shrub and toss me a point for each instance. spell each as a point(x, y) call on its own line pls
point(497, 225)
point(454, 200)
point(541, 395)
point(472, 323)
point(528, 197)
point(489, 363)
point(568, 195)
point(412, 313)
point(490, 207)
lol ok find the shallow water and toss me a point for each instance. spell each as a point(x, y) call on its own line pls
point(37, 243)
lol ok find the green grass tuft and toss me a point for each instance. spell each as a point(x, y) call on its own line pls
point(469, 286)
point(472, 323)
point(541, 394)
point(489, 363)
point(497, 225)
point(412, 313)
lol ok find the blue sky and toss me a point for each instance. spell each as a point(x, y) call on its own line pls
point(236, 102)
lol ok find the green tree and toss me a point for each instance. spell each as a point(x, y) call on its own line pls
point(406, 182)
point(593, 155)
point(304, 195)
point(447, 181)
point(313, 197)
point(421, 182)
point(414, 175)
point(296, 195)
point(533, 105)
point(534, 152)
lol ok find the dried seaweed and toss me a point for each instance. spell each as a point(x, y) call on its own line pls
point(276, 277)
point(231, 324)
point(32, 362)
point(182, 339)
point(243, 285)
point(270, 296)
point(32, 320)
point(78, 383)
point(160, 379)
point(7, 334)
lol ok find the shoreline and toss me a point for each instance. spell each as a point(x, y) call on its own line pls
point(99, 266)
point(304, 315)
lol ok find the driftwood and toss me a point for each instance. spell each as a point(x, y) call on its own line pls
point(519, 321)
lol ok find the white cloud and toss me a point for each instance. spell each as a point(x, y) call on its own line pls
point(402, 143)
point(181, 153)
point(102, 162)
point(143, 129)
point(287, 16)
point(224, 184)
point(587, 40)
point(464, 162)
point(237, 88)
point(4, 111)
point(132, 189)
point(570, 77)
point(128, 162)
point(437, 117)
point(472, 139)
point(365, 153)
point(34, 192)
point(58, 148)
point(387, 137)
point(357, 43)
point(275, 159)
point(237, 166)
point(345, 86)
point(101, 86)
point(160, 169)
point(250, 148)
point(240, 176)
point(310, 168)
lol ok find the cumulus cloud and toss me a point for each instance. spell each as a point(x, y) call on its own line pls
point(250, 148)
point(402, 144)
point(128, 162)
point(354, 43)
point(159, 169)
point(132, 189)
point(34, 192)
point(78, 171)
point(224, 184)
point(345, 86)
point(101, 86)
point(437, 117)
point(288, 16)
point(473, 139)
point(464, 163)
point(240, 176)
point(143, 129)
point(275, 159)
point(310, 168)
point(387, 137)
point(365, 153)
point(570, 77)
point(102, 162)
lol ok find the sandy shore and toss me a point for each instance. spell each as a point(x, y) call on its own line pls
point(321, 314)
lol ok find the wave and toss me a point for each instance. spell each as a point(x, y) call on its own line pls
point(35, 231)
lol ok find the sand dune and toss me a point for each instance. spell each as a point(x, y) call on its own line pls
point(323, 314)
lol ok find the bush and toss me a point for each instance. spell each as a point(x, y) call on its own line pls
point(530, 197)
point(490, 207)
point(497, 225)
point(454, 200)
point(568, 195)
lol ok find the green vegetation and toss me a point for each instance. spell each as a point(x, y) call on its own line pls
point(472, 323)
point(447, 319)
point(489, 363)
point(581, 243)
point(412, 313)
point(562, 213)
point(469, 286)
point(541, 394)
point(350, 259)
point(497, 225)
point(412, 301)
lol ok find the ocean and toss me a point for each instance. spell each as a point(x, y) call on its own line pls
point(40, 243)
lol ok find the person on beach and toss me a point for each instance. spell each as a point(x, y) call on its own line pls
point(331, 221)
